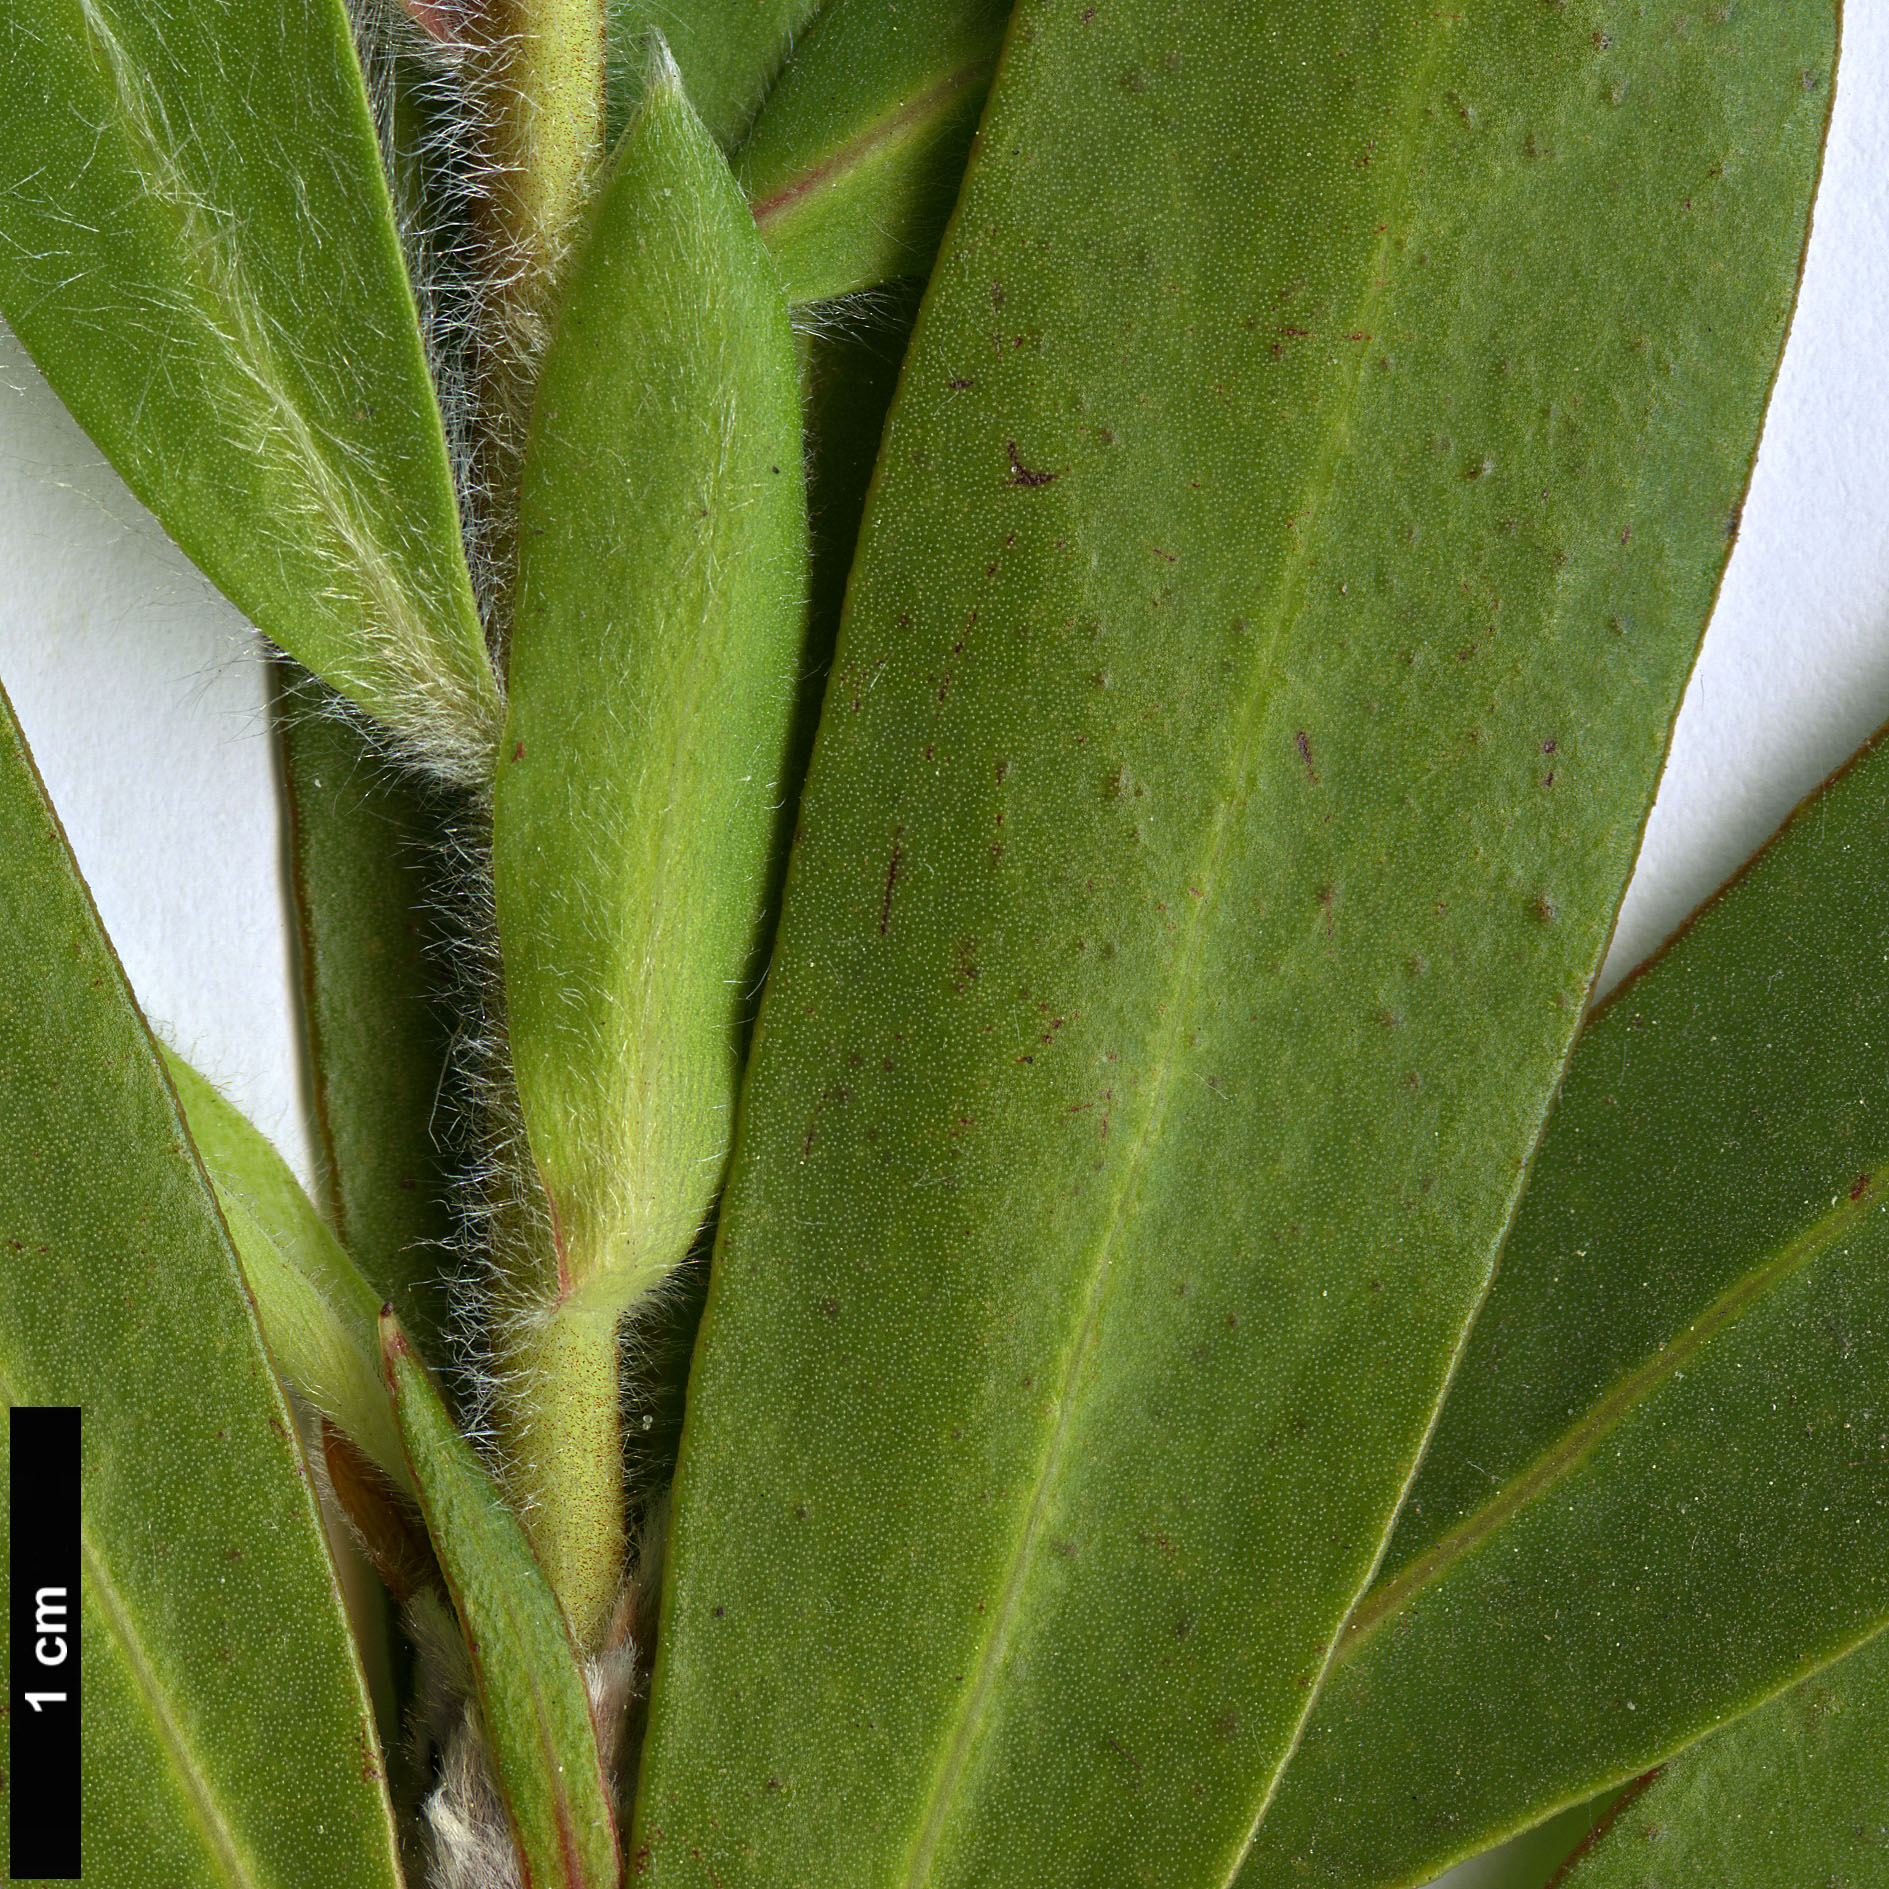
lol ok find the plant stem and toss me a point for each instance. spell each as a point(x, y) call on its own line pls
point(564, 1455)
point(542, 70)
point(537, 70)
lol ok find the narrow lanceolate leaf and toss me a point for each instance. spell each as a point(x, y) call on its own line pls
point(1659, 1491)
point(531, 1694)
point(854, 161)
point(729, 53)
point(638, 815)
point(368, 857)
point(319, 1317)
point(228, 1740)
point(197, 248)
point(1302, 499)
point(1796, 1793)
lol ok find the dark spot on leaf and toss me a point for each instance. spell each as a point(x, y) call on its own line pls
point(1020, 474)
point(1305, 754)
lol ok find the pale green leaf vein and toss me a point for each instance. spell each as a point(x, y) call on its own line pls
point(220, 1839)
point(365, 575)
point(909, 119)
point(982, 1693)
point(1569, 1451)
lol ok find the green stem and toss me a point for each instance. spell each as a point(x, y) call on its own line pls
point(542, 63)
point(564, 1455)
point(538, 92)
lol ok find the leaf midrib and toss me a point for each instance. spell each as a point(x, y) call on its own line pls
point(230, 308)
point(1291, 580)
point(1564, 1456)
point(197, 1789)
point(906, 119)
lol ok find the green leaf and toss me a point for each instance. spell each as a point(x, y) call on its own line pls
point(320, 1319)
point(368, 855)
point(854, 161)
point(228, 1738)
point(532, 1696)
point(1184, 934)
point(1793, 1794)
point(197, 249)
point(639, 810)
point(728, 52)
point(1659, 1491)
point(1536, 1858)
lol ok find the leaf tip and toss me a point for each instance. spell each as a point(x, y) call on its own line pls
point(394, 1348)
point(663, 70)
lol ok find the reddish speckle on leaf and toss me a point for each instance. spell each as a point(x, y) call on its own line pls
point(1305, 755)
point(1859, 1187)
point(1020, 474)
point(891, 879)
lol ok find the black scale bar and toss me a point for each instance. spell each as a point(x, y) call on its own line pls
point(43, 1649)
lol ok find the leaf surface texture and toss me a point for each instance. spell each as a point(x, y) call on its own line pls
point(1797, 1792)
point(1656, 1494)
point(228, 1740)
point(198, 250)
point(1304, 492)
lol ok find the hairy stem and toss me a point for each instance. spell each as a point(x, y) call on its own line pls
point(564, 1456)
point(536, 70)
point(543, 61)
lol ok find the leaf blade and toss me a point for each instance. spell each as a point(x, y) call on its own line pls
point(853, 162)
point(1691, 1296)
point(228, 1735)
point(319, 1317)
point(1112, 1167)
point(367, 848)
point(640, 810)
point(198, 250)
point(1793, 1792)
point(729, 52)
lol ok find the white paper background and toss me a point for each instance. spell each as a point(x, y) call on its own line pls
point(145, 703)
